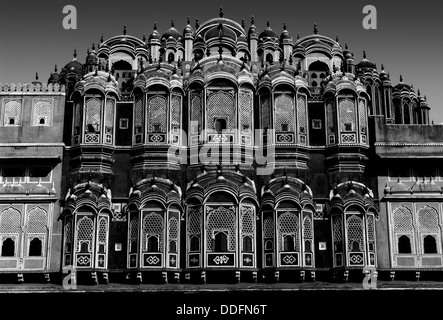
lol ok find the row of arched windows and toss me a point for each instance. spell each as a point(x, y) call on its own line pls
point(416, 233)
point(17, 228)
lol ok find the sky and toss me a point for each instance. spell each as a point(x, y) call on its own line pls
point(408, 39)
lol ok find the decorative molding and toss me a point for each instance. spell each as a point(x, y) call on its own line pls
point(30, 88)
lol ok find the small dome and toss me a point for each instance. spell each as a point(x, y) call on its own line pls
point(171, 32)
point(268, 33)
point(365, 63)
point(155, 35)
point(383, 74)
point(220, 31)
point(188, 28)
point(91, 57)
point(348, 55)
point(252, 29)
point(402, 85)
point(55, 77)
point(73, 66)
point(285, 34)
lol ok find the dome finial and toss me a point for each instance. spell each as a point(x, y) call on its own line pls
point(346, 46)
point(155, 25)
point(364, 54)
point(284, 25)
point(124, 29)
point(401, 78)
point(189, 20)
point(36, 76)
point(315, 28)
point(93, 47)
point(382, 67)
point(144, 37)
point(298, 36)
point(252, 20)
point(418, 92)
point(172, 23)
point(55, 68)
point(197, 24)
point(101, 39)
point(75, 54)
point(221, 12)
point(336, 38)
point(243, 23)
point(268, 25)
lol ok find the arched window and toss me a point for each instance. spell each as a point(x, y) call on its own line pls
point(269, 58)
point(288, 243)
point(220, 125)
point(195, 243)
point(8, 248)
point(429, 228)
point(153, 229)
point(404, 244)
point(153, 244)
point(314, 83)
point(406, 113)
point(354, 225)
point(35, 248)
point(314, 76)
point(247, 244)
point(221, 229)
point(288, 227)
point(171, 57)
point(308, 246)
point(220, 242)
point(157, 110)
point(173, 246)
point(194, 228)
point(429, 244)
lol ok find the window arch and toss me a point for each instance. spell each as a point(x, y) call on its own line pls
point(220, 241)
point(153, 228)
point(284, 112)
point(270, 58)
point(288, 227)
point(12, 113)
point(171, 57)
point(347, 115)
point(404, 244)
point(35, 248)
point(221, 221)
point(406, 114)
point(194, 229)
point(247, 244)
point(8, 247)
point(173, 234)
point(429, 244)
point(354, 226)
point(429, 229)
point(10, 231)
point(42, 113)
point(157, 114)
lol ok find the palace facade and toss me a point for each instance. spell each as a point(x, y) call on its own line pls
point(220, 153)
